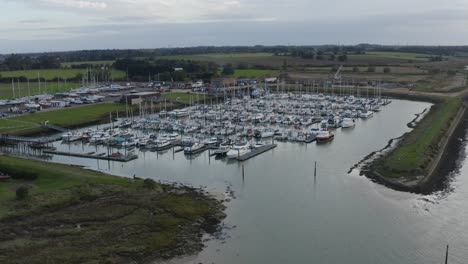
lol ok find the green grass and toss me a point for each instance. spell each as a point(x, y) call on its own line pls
point(50, 176)
point(415, 152)
point(75, 116)
point(104, 62)
point(69, 208)
point(185, 97)
point(253, 73)
point(396, 55)
point(54, 73)
point(21, 89)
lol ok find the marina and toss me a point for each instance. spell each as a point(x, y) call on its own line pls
point(239, 128)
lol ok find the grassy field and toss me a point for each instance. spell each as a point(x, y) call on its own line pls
point(395, 55)
point(70, 208)
point(69, 117)
point(217, 56)
point(268, 59)
point(54, 73)
point(104, 62)
point(252, 73)
point(185, 97)
point(22, 89)
point(415, 152)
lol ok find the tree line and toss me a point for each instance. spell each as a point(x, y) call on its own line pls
point(166, 70)
point(16, 62)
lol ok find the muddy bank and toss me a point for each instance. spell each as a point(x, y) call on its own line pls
point(111, 224)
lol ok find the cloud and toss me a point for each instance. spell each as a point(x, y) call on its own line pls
point(33, 21)
point(82, 4)
point(70, 24)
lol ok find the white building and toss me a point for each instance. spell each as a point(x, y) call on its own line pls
point(466, 68)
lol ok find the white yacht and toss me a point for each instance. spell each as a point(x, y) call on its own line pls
point(348, 122)
point(238, 149)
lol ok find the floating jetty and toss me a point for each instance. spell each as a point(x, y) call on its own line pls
point(256, 152)
point(122, 158)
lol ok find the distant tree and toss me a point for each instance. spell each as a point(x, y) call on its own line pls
point(179, 76)
point(331, 57)
point(164, 77)
point(371, 69)
point(79, 76)
point(228, 69)
point(343, 57)
point(355, 69)
point(242, 66)
point(285, 65)
point(387, 70)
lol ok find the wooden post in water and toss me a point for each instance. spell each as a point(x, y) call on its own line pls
point(315, 169)
point(209, 156)
point(173, 153)
point(243, 171)
point(446, 255)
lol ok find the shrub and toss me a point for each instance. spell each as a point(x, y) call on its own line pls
point(149, 184)
point(22, 193)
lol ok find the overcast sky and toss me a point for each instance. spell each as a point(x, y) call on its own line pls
point(57, 25)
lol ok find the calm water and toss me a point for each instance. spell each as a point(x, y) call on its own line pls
point(281, 214)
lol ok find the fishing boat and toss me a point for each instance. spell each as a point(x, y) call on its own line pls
point(324, 136)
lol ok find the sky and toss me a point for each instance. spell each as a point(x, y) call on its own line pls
point(61, 25)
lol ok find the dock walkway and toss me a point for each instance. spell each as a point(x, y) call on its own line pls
point(256, 152)
point(123, 158)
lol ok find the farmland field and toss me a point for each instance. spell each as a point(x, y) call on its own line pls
point(22, 89)
point(53, 73)
point(217, 56)
point(268, 59)
point(252, 73)
point(395, 55)
point(69, 64)
point(28, 124)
